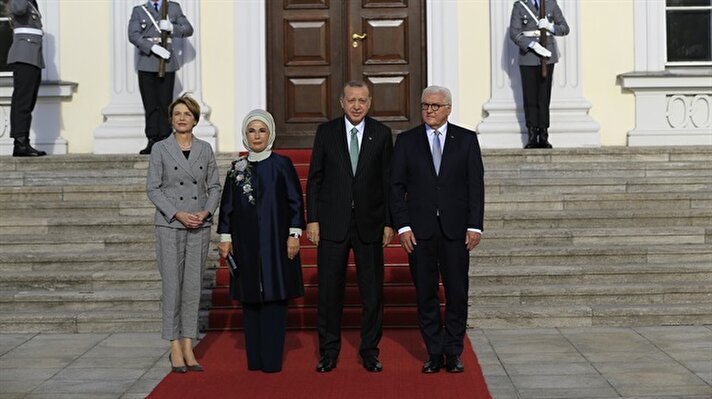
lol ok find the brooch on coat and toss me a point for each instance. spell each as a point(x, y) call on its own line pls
point(241, 172)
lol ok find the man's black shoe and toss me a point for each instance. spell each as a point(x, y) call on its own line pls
point(325, 364)
point(433, 365)
point(372, 364)
point(453, 364)
point(147, 150)
point(22, 148)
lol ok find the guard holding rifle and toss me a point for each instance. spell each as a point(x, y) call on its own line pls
point(532, 27)
point(151, 27)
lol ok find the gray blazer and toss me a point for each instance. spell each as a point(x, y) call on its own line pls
point(143, 34)
point(522, 22)
point(175, 183)
point(25, 48)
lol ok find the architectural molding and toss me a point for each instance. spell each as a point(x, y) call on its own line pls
point(650, 36)
point(504, 125)
point(442, 43)
point(672, 105)
point(250, 77)
point(123, 127)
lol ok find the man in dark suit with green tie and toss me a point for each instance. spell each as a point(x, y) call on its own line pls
point(347, 208)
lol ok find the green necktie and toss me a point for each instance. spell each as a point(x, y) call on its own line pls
point(353, 149)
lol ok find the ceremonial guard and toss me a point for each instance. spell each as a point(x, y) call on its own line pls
point(25, 57)
point(532, 25)
point(151, 27)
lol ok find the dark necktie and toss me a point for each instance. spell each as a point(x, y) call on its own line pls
point(536, 4)
point(155, 5)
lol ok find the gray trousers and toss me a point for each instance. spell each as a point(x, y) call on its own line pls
point(181, 256)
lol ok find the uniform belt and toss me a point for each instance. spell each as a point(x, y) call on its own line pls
point(531, 33)
point(28, 31)
point(157, 40)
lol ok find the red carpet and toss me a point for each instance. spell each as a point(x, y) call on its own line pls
point(402, 353)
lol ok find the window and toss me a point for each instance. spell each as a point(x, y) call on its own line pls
point(5, 37)
point(689, 32)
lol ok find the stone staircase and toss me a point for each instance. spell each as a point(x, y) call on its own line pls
point(574, 237)
point(595, 237)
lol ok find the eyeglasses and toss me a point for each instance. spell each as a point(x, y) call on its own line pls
point(434, 107)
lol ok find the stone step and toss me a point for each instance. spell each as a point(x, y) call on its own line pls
point(69, 209)
point(114, 177)
point(567, 255)
point(93, 261)
point(93, 192)
point(482, 276)
point(528, 316)
point(80, 242)
point(555, 185)
point(62, 321)
point(622, 172)
point(597, 218)
point(612, 201)
point(607, 155)
point(56, 207)
point(77, 301)
point(81, 280)
point(595, 294)
point(496, 238)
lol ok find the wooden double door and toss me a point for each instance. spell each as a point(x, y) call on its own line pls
point(316, 46)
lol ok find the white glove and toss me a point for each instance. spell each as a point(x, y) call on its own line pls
point(539, 49)
point(543, 24)
point(165, 25)
point(160, 51)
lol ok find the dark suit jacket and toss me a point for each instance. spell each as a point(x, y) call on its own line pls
point(332, 187)
point(417, 193)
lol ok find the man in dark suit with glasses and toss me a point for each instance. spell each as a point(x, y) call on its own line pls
point(437, 205)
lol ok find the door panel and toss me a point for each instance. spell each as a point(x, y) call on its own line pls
point(312, 53)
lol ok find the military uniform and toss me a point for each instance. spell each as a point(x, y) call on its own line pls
point(25, 57)
point(156, 92)
point(524, 32)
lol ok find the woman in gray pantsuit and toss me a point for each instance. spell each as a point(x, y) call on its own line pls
point(184, 186)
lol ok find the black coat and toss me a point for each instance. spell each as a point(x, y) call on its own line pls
point(260, 230)
point(332, 187)
point(418, 193)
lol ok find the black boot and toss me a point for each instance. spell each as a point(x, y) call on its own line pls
point(147, 150)
point(544, 138)
point(532, 143)
point(22, 148)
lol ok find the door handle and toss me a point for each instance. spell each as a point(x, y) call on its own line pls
point(356, 37)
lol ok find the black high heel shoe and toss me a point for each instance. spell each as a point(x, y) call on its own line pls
point(174, 369)
point(195, 367)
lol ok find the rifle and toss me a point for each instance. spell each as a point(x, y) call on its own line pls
point(542, 37)
point(164, 40)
